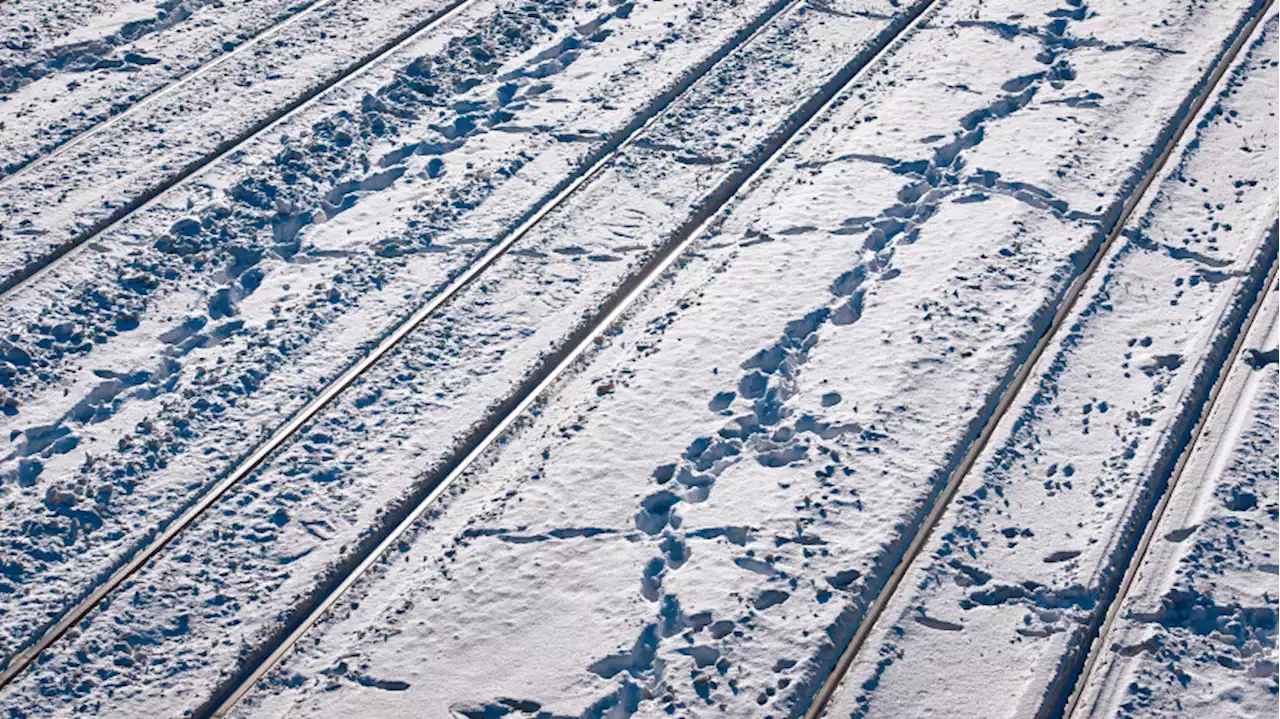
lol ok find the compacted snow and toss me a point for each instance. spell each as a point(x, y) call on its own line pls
point(840, 357)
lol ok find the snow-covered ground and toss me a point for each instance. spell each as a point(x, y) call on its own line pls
point(65, 67)
point(1092, 437)
point(234, 325)
point(1196, 631)
point(835, 232)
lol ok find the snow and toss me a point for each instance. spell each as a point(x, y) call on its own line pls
point(1094, 431)
point(696, 515)
point(1196, 632)
point(213, 313)
point(69, 66)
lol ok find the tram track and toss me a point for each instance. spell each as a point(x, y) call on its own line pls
point(1125, 580)
point(301, 12)
point(564, 360)
point(392, 525)
point(48, 258)
point(939, 506)
point(475, 271)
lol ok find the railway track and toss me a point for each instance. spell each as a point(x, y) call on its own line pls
point(557, 365)
point(609, 315)
point(191, 170)
point(300, 13)
point(649, 115)
point(1124, 581)
point(1189, 114)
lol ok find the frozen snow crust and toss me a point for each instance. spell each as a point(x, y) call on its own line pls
point(831, 234)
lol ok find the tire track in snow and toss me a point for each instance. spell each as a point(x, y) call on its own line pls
point(608, 314)
point(1187, 114)
point(600, 159)
point(352, 71)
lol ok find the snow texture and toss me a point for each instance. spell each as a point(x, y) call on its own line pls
point(212, 210)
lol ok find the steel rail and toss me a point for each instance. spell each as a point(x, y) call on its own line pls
point(611, 312)
point(169, 530)
point(941, 502)
point(299, 103)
